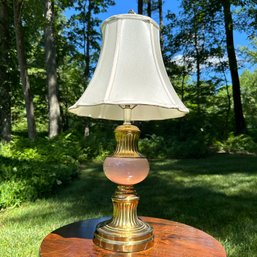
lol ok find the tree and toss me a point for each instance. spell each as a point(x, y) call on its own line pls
point(160, 10)
point(149, 8)
point(87, 37)
point(140, 6)
point(21, 56)
point(196, 38)
point(251, 52)
point(248, 82)
point(5, 88)
point(84, 31)
point(238, 110)
point(160, 4)
point(50, 53)
point(199, 26)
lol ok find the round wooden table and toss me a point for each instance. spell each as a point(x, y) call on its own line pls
point(172, 239)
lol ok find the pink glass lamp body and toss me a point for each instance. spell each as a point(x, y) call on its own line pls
point(126, 171)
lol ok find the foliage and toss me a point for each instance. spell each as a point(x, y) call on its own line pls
point(155, 147)
point(251, 52)
point(249, 98)
point(242, 144)
point(100, 141)
point(194, 147)
point(31, 170)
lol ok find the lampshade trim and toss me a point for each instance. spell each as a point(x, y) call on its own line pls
point(129, 16)
point(176, 107)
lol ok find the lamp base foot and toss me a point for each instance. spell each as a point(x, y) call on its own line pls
point(125, 232)
point(123, 240)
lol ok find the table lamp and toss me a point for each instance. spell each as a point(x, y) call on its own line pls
point(130, 83)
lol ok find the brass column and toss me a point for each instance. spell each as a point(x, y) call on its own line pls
point(125, 232)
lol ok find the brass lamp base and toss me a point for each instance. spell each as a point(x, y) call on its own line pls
point(125, 232)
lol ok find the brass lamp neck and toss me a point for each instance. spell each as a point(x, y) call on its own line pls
point(127, 136)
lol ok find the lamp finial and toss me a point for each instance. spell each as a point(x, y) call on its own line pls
point(131, 11)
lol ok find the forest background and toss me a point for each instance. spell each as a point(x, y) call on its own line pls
point(48, 53)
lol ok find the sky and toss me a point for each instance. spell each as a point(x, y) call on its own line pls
point(123, 6)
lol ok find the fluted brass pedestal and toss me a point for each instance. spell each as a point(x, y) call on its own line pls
point(125, 232)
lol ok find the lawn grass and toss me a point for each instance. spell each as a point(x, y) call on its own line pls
point(217, 194)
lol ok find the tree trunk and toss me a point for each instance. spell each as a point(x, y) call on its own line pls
point(140, 7)
point(226, 124)
point(238, 110)
point(17, 6)
point(160, 13)
point(50, 52)
point(160, 22)
point(88, 39)
point(5, 89)
point(198, 72)
point(149, 8)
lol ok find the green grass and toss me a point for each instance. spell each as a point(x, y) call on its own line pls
point(217, 194)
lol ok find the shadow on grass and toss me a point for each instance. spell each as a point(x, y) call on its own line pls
point(215, 164)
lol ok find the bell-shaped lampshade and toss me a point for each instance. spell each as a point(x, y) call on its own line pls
point(130, 71)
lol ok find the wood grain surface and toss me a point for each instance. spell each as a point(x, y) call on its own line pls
point(172, 239)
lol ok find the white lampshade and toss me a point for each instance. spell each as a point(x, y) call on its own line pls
point(130, 71)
